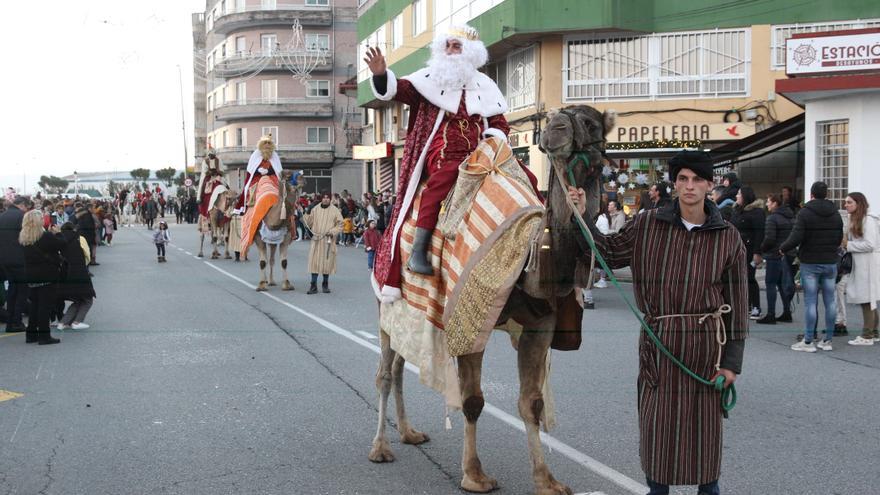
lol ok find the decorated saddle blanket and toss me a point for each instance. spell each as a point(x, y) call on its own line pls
point(265, 196)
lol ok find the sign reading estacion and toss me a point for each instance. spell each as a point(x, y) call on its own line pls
point(681, 132)
point(828, 54)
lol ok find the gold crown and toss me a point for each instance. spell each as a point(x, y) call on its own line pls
point(465, 32)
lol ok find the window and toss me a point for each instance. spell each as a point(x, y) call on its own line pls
point(404, 117)
point(419, 16)
point(318, 89)
point(241, 93)
point(267, 4)
point(515, 76)
point(240, 46)
point(377, 39)
point(397, 32)
point(317, 42)
point(223, 51)
point(832, 153)
point(269, 90)
point(239, 5)
point(221, 96)
point(272, 131)
point(448, 12)
point(696, 64)
point(783, 32)
point(318, 180)
point(318, 135)
point(241, 137)
point(388, 134)
point(268, 43)
point(318, 2)
point(224, 138)
point(223, 7)
point(210, 103)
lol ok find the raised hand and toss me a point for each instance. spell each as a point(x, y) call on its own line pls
point(375, 61)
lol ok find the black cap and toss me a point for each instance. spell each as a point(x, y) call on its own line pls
point(698, 162)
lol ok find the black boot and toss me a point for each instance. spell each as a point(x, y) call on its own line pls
point(31, 336)
point(325, 287)
point(313, 288)
point(768, 319)
point(46, 338)
point(785, 317)
point(418, 260)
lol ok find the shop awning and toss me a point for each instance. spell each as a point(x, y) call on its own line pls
point(760, 143)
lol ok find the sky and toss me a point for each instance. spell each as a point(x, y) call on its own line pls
point(93, 86)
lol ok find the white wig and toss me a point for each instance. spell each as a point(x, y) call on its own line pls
point(472, 49)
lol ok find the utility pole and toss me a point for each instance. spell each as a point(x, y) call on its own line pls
point(183, 125)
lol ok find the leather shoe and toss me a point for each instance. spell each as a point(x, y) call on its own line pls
point(49, 341)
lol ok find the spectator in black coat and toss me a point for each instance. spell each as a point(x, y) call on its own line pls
point(731, 185)
point(725, 205)
point(77, 284)
point(789, 199)
point(659, 195)
point(42, 271)
point(748, 218)
point(780, 267)
point(12, 263)
point(85, 225)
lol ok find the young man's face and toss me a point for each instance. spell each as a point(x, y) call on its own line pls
point(325, 201)
point(691, 188)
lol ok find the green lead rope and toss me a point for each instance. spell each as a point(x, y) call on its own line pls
point(728, 395)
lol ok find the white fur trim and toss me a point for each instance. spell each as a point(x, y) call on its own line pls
point(482, 96)
point(387, 294)
point(390, 88)
point(494, 132)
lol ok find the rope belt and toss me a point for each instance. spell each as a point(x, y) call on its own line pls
point(728, 395)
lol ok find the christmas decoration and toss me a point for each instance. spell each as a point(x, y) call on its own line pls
point(657, 143)
point(612, 184)
point(632, 186)
point(623, 178)
point(641, 178)
point(621, 190)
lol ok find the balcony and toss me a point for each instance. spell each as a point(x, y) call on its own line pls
point(291, 155)
point(274, 108)
point(280, 15)
point(246, 63)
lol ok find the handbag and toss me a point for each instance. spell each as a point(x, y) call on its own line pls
point(845, 264)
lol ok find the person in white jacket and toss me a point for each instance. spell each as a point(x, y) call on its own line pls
point(863, 288)
point(609, 223)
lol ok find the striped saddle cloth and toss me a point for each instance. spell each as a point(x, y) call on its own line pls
point(480, 248)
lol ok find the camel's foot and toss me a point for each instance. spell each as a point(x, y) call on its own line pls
point(272, 284)
point(381, 451)
point(261, 287)
point(286, 285)
point(413, 437)
point(552, 487)
point(214, 256)
point(478, 483)
point(200, 255)
point(227, 257)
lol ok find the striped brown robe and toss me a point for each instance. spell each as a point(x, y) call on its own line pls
point(680, 272)
point(325, 224)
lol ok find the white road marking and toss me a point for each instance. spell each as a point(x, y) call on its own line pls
point(189, 253)
point(571, 453)
point(368, 335)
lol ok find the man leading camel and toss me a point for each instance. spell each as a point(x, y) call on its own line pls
point(689, 279)
point(453, 107)
point(325, 222)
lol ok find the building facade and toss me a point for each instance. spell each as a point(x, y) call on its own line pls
point(680, 75)
point(247, 57)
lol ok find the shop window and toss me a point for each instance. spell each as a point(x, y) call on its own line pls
point(832, 157)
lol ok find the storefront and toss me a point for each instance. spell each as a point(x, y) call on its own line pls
point(835, 76)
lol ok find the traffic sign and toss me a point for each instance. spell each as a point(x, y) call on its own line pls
point(188, 182)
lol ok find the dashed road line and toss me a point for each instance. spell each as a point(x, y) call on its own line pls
point(367, 335)
point(571, 453)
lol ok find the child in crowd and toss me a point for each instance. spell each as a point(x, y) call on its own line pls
point(347, 231)
point(371, 242)
point(160, 239)
point(108, 229)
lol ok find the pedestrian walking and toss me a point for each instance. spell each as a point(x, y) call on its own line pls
point(863, 288)
point(42, 269)
point(108, 229)
point(325, 222)
point(161, 237)
point(371, 242)
point(748, 218)
point(76, 286)
point(151, 209)
point(689, 278)
point(778, 277)
point(12, 262)
point(817, 233)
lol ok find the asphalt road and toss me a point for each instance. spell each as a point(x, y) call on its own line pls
point(190, 382)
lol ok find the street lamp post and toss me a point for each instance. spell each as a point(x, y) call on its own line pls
point(75, 184)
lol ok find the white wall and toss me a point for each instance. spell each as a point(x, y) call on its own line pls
point(863, 112)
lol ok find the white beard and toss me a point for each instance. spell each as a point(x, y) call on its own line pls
point(451, 71)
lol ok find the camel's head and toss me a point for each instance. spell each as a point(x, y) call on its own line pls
point(577, 129)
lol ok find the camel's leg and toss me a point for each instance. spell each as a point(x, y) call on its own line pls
point(261, 249)
point(381, 451)
point(469, 371)
point(272, 264)
point(531, 357)
point(408, 434)
point(282, 253)
point(201, 245)
point(226, 243)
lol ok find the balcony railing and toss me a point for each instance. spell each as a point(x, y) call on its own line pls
point(256, 108)
point(246, 63)
point(250, 15)
point(290, 154)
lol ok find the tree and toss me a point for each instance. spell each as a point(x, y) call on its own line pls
point(166, 175)
point(181, 178)
point(141, 174)
point(52, 184)
point(114, 187)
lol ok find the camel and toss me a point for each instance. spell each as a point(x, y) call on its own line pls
point(533, 304)
point(219, 213)
point(279, 217)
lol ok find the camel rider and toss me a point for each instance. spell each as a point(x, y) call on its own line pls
point(264, 161)
point(454, 107)
point(211, 176)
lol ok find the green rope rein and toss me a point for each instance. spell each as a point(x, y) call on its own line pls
point(728, 395)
